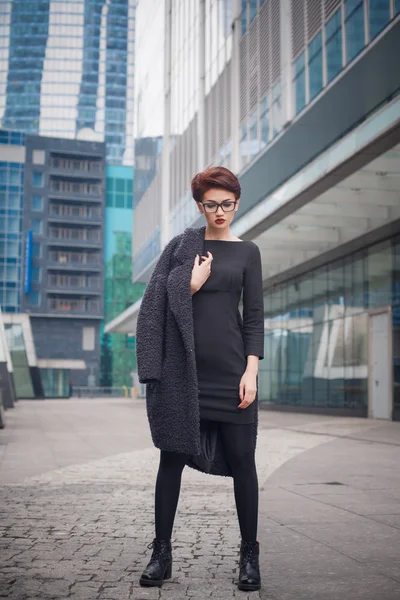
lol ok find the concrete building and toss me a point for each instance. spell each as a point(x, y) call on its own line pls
point(52, 197)
point(301, 100)
point(67, 71)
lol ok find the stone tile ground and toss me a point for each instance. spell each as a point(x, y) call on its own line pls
point(80, 530)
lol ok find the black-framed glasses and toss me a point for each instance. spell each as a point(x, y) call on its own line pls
point(226, 205)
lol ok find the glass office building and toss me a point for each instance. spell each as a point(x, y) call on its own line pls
point(11, 212)
point(316, 331)
point(301, 99)
point(66, 70)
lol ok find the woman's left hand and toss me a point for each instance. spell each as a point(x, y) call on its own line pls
point(247, 389)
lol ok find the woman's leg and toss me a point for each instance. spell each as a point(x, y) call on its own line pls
point(238, 443)
point(168, 486)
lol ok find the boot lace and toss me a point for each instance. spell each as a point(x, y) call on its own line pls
point(249, 553)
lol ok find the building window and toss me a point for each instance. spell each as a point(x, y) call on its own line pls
point(355, 40)
point(37, 203)
point(334, 59)
point(36, 274)
point(264, 122)
point(37, 179)
point(34, 298)
point(379, 16)
point(88, 338)
point(397, 6)
point(315, 65)
point(244, 16)
point(253, 9)
point(11, 297)
point(300, 83)
point(37, 226)
point(12, 249)
point(36, 250)
point(38, 157)
point(14, 200)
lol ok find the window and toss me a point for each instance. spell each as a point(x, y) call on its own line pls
point(315, 65)
point(34, 298)
point(14, 200)
point(13, 225)
point(36, 250)
point(264, 122)
point(37, 203)
point(379, 16)
point(37, 179)
point(300, 83)
point(244, 16)
point(355, 40)
point(12, 248)
point(120, 200)
point(36, 274)
point(333, 31)
point(88, 338)
point(11, 297)
point(397, 6)
point(37, 226)
point(38, 157)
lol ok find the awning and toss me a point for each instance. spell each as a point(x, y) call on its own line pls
point(347, 192)
point(126, 321)
point(61, 363)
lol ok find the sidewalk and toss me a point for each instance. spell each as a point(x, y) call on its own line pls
point(76, 502)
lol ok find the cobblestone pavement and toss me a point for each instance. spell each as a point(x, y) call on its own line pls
point(81, 531)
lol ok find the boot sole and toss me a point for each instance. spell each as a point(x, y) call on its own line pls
point(156, 582)
point(249, 587)
point(153, 582)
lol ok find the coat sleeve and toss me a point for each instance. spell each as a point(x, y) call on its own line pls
point(151, 320)
point(253, 305)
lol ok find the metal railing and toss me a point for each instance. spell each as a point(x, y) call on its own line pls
point(79, 235)
point(74, 281)
point(76, 258)
point(68, 210)
point(88, 166)
point(100, 392)
point(69, 305)
point(75, 187)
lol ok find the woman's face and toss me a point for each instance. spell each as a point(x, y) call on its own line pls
point(220, 219)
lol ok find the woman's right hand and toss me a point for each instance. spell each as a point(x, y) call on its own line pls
point(201, 272)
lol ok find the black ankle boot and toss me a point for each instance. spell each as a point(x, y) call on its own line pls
point(249, 568)
point(160, 565)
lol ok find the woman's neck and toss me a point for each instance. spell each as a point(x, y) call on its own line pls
point(220, 234)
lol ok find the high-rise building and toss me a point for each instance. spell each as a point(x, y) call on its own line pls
point(301, 99)
point(66, 70)
point(52, 203)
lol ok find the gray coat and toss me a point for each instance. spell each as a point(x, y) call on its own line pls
point(166, 354)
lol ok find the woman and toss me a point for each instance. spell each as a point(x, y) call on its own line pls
point(199, 359)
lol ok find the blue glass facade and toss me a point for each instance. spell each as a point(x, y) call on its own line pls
point(316, 330)
point(363, 21)
point(68, 68)
point(11, 212)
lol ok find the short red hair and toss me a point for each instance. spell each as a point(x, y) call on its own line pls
point(215, 177)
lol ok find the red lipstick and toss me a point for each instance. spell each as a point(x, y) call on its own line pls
point(219, 221)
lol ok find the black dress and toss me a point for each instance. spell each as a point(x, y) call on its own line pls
point(220, 344)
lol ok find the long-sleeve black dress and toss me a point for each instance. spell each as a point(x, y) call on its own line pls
point(221, 346)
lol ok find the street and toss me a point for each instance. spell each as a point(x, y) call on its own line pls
point(76, 500)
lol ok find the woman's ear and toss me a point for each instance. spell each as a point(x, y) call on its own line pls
point(200, 207)
point(237, 204)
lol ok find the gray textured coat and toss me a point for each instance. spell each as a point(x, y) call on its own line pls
point(166, 353)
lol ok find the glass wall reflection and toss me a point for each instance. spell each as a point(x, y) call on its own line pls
point(316, 331)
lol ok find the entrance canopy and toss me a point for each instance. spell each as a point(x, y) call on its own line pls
point(349, 191)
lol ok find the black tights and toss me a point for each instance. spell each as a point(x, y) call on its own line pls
point(239, 451)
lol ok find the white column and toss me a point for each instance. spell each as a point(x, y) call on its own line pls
point(165, 190)
point(201, 157)
point(235, 85)
point(287, 99)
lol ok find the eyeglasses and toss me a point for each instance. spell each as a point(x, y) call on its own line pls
point(226, 205)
